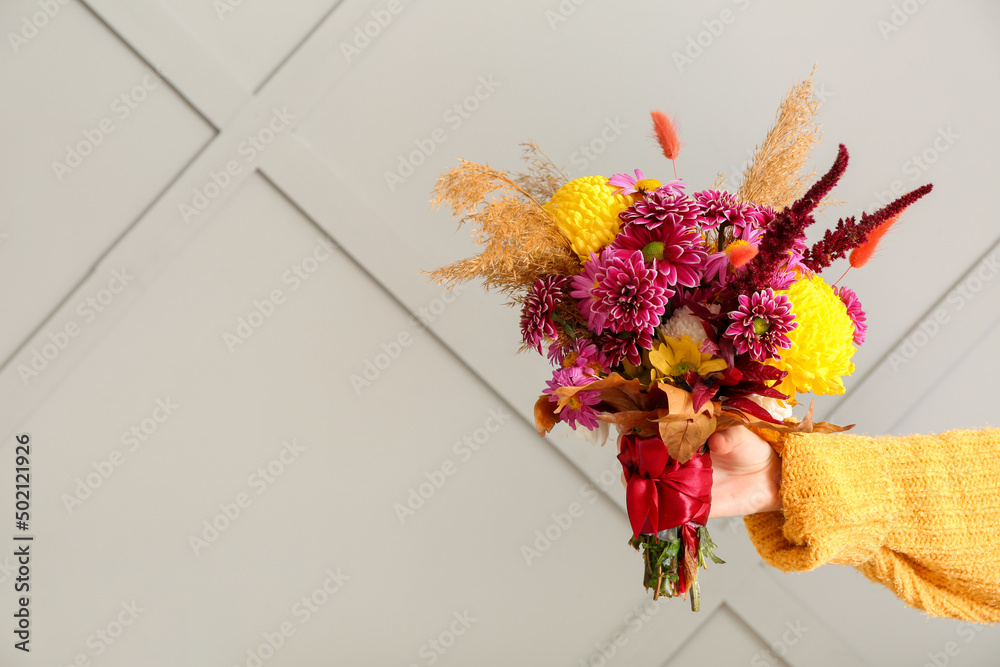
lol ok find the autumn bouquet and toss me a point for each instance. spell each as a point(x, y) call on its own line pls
point(673, 315)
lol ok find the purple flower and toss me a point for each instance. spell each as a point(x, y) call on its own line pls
point(664, 205)
point(631, 295)
point(582, 289)
point(855, 312)
point(718, 207)
point(761, 324)
point(555, 354)
point(625, 346)
point(717, 266)
point(677, 252)
point(640, 185)
point(585, 356)
point(578, 410)
point(536, 314)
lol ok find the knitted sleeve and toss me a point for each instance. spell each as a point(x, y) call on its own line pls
point(918, 514)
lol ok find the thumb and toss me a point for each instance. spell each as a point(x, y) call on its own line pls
point(721, 442)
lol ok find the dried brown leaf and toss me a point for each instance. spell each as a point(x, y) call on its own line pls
point(545, 414)
point(684, 437)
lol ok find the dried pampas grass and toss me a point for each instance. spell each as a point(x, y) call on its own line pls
point(776, 175)
point(521, 239)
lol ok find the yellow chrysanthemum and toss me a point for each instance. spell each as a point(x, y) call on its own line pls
point(586, 210)
point(822, 343)
point(672, 358)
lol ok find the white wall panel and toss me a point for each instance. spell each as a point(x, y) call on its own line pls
point(91, 135)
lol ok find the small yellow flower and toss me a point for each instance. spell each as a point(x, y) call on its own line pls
point(672, 358)
point(586, 210)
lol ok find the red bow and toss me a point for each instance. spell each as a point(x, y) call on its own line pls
point(661, 493)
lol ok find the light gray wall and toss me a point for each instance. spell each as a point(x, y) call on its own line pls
point(236, 160)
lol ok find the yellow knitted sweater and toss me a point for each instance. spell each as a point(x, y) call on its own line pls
point(919, 514)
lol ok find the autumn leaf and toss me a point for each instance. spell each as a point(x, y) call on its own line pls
point(545, 415)
point(684, 437)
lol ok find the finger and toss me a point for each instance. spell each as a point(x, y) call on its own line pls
point(719, 443)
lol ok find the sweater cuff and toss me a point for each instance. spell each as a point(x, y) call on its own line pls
point(838, 503)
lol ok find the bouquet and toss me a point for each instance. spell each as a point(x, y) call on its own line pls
point(673, 315)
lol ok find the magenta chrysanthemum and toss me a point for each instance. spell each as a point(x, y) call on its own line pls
point(718, 207)
point(630, 294)
point(855, 312)
point(582, 289)
point(536, 314)
point(555, 354)
point(763, 214)
point(717, 267)
point(625, 346)
point(579, 409)
point(761, 324)
point(678, 252)
point(664, 205)
point(585, 356)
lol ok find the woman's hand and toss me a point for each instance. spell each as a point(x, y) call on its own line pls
point(746, 473)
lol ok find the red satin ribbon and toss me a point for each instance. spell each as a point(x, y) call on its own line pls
point(661, 493)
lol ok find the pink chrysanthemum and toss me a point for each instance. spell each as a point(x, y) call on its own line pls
point(764, 214)
point(717, 207)
point(717, 266)
point(761, 324)
point(579, 409)
point(582, 289)
point(855, 312)
point(536, 314)
point(555, 354)
point(677, 252)
point(585, 356)
point(625, 346)
point(662, 206)
point(632, 295)
point(625, 183)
